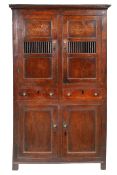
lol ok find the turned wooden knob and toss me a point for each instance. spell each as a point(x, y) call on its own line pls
point(51, 94)
point(68, 94)
point(96, 94)
point(54, 125)
point(24, 94)
point(64, 125)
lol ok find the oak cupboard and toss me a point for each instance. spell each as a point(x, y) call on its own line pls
point(59, 65)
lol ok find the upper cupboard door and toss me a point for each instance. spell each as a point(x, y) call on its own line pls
point(38, 49)
point(81, 49)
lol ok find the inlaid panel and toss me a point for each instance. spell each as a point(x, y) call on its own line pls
point(38, 28)
point(82, 28)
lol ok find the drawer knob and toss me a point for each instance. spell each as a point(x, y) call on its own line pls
point(64, 125)
point(24, 94)
point(51, 94)
point(68, 94)
point(54, 125)
point(96, 94)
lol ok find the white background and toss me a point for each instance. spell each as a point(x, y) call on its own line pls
point(6, 96)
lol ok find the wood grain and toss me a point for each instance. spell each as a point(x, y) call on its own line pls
point(59, 65)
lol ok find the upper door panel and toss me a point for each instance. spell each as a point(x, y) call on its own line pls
point(38, 46)
point(81, 49)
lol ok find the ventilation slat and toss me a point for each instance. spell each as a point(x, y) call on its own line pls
point(27, 47)
point(70, 47)
point(42, 47)
point(82, 47)
point(88, 47)
point(48, 47)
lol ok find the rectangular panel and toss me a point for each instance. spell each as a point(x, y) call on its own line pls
point(82, 134)
point(36, 123)
point(37, 135)
point(82, 27)
point(38, 28)
point(38, 67)
point(83, 93)
point(36, 93)
point(81, 67)
point(81, 131)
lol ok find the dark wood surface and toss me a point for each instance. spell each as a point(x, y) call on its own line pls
point(59, 57)
point(71, 6)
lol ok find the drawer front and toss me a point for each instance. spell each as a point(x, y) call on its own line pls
point(37, 93)
point(83, 93)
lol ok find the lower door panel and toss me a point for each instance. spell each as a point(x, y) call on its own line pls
point(82, 131)
point(37, 131)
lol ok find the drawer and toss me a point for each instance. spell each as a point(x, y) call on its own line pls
point(37, 93)
point(94, 93)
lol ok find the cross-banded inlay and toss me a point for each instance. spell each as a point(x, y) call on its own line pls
point(43, 47)
point(82, 47)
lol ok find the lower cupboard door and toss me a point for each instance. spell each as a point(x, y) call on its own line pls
point(82, 131)
point(37, 132)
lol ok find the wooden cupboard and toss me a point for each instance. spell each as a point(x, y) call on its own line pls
point(59, 65)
